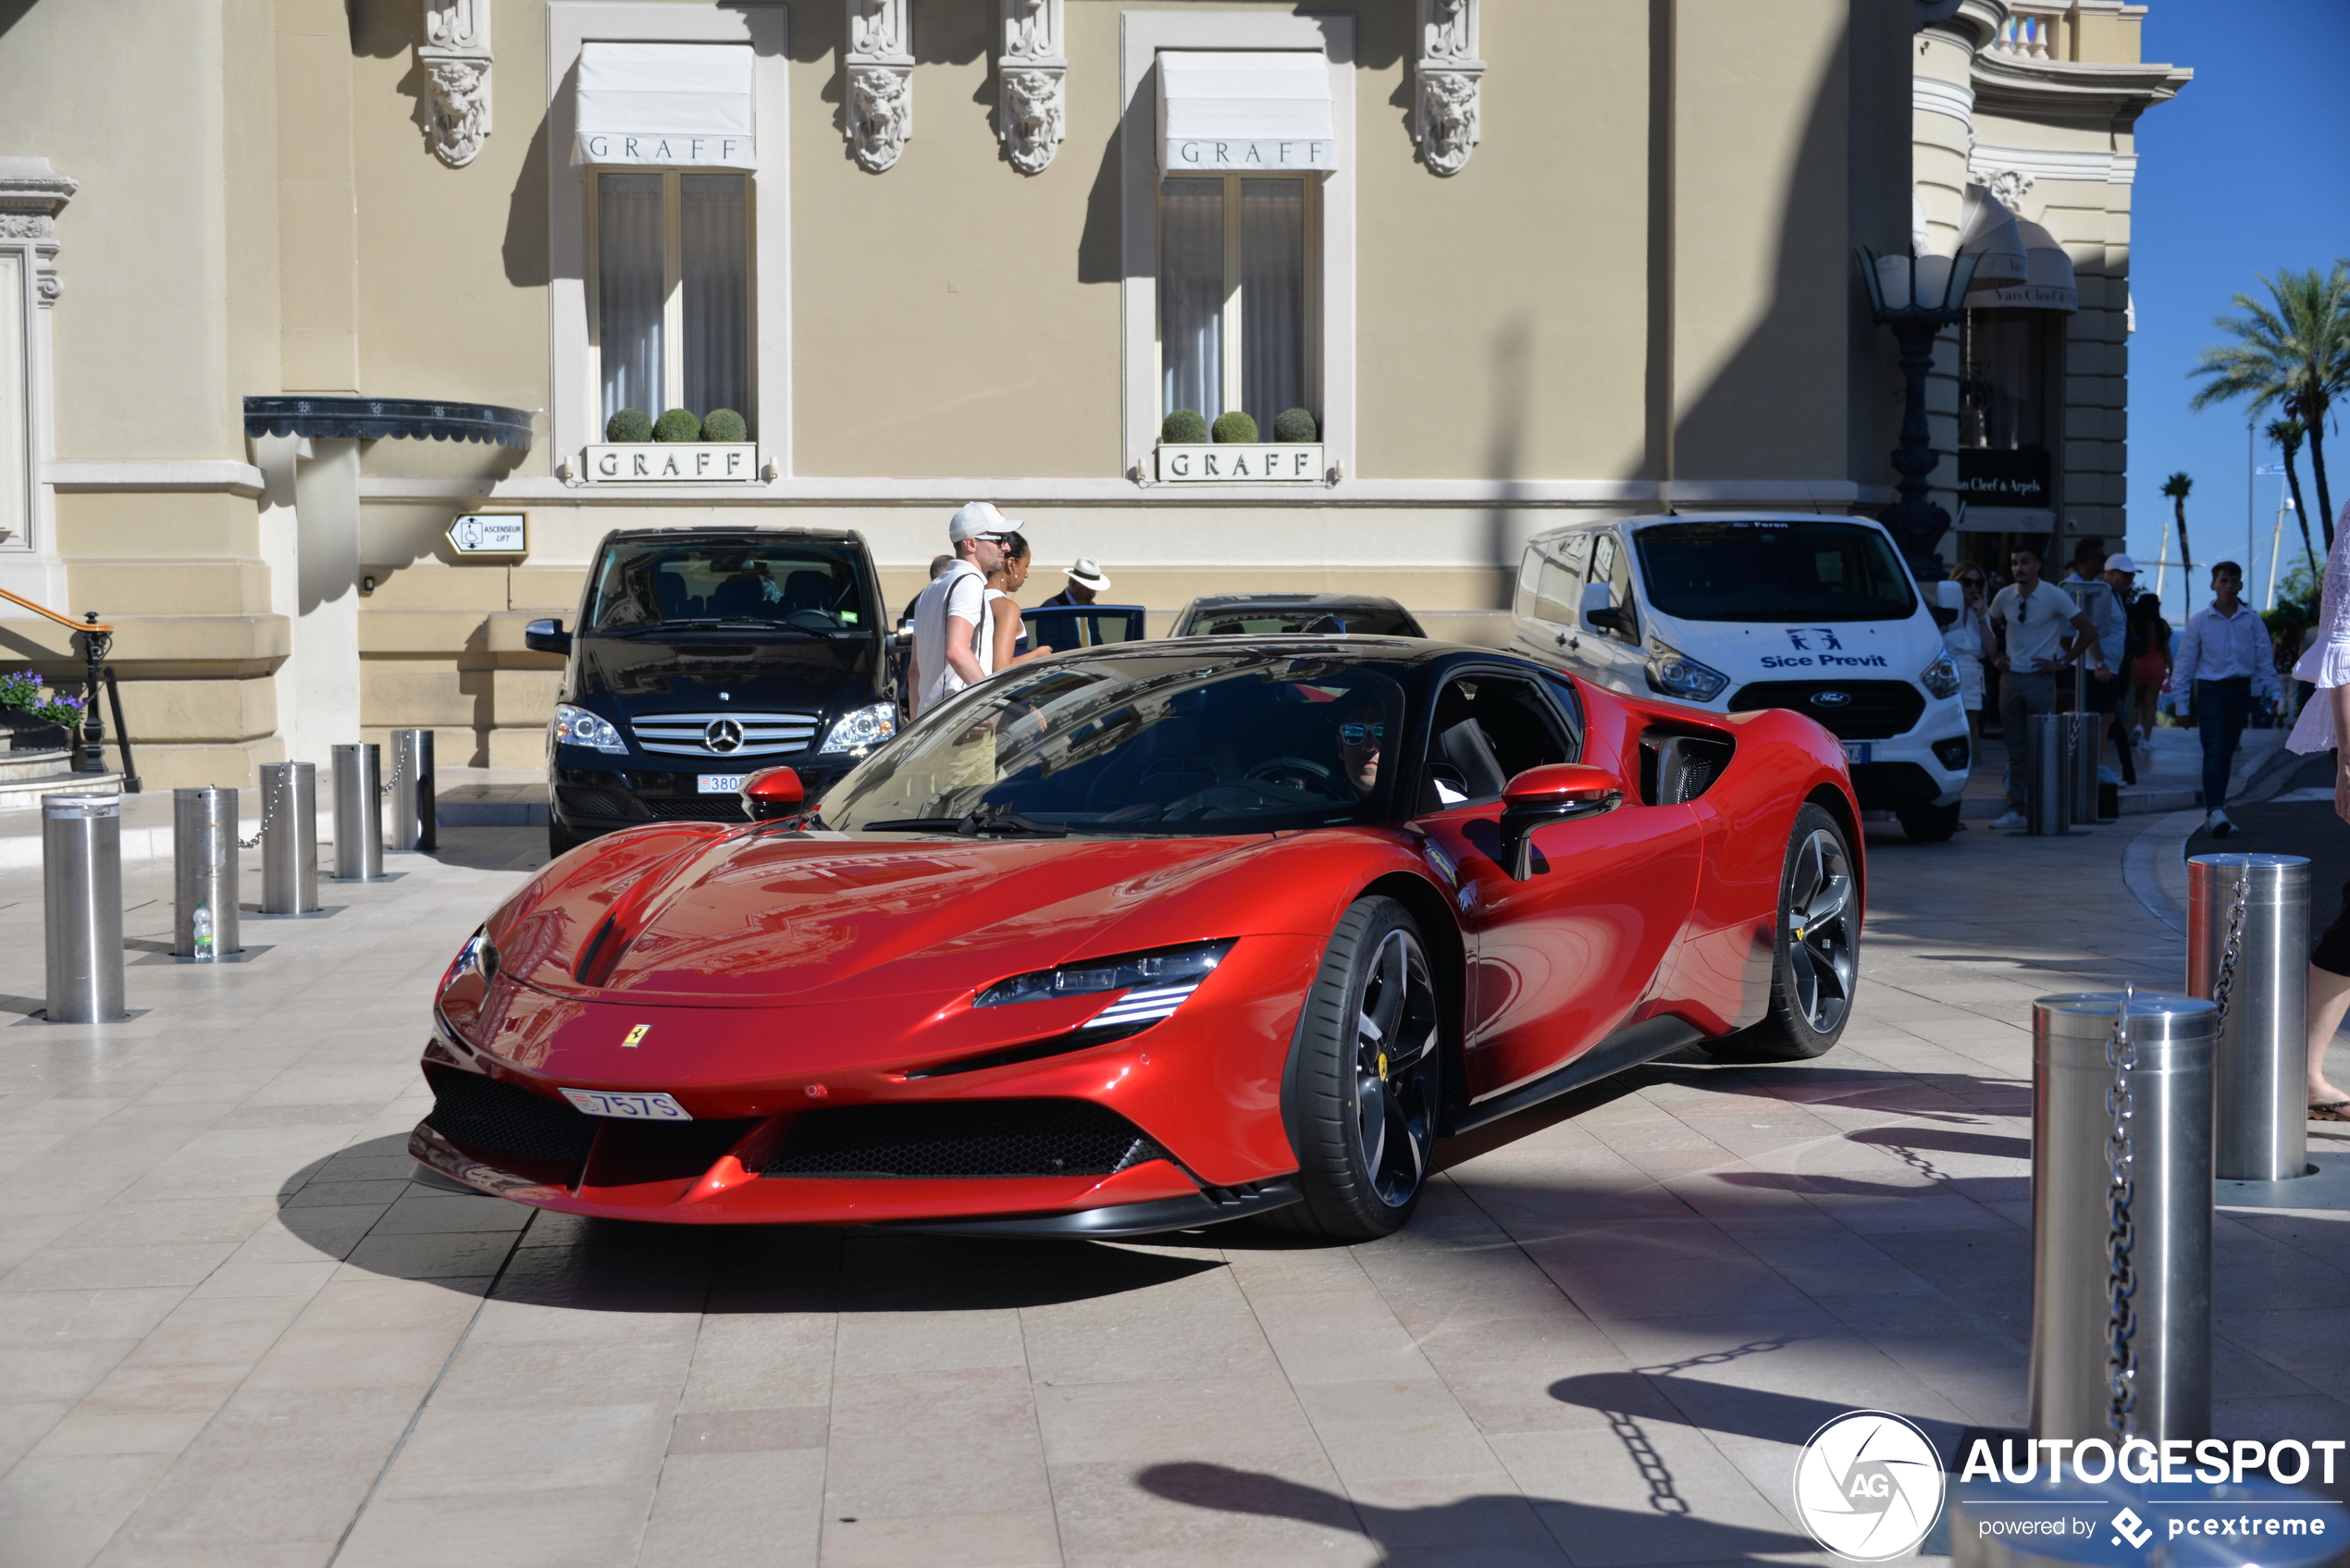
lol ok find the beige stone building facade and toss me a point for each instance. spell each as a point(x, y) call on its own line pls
point(1520, 260)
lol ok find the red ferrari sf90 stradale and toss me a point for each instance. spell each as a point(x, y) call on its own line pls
point(1149, 936)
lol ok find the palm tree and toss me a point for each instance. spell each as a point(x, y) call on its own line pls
point(2287, 435)
point(2292, 352)
point(2176, 488)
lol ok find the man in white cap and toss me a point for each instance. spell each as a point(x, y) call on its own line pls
point(948, 614)
point(1086, 583)
point(2120, 575)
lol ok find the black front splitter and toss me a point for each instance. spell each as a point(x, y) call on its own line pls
point(1121, 1219)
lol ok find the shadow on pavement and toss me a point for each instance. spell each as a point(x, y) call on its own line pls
point(1949, 1143)
point(361, 1207)
point(1612, 1534)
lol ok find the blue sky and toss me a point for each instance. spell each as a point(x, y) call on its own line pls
point(2245, 171)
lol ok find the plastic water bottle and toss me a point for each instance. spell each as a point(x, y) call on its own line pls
point(203, 931)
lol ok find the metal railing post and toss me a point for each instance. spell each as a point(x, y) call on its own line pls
point(2247, 950)
point(2161, 1144)
point(2048, 794)
point(2081, 734)
point(412, 808)
point(82, 906)
point(289, 838)
point(359, 829)
point(203, 873)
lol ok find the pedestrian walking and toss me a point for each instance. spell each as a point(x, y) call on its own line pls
point(2043, 631)
point(2224, 661)
point(2109, 693)
point(1005, 626)
point(1968, 640)
point(949, 613)
point(1085, 583)
point(2324, 721)
point(937, 563)
point(2148, 649)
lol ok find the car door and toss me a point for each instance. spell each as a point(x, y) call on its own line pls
point(1612, 650)
point(1557, 961)
point(1547, 626)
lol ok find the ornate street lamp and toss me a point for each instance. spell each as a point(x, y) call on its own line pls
point(1918, 297)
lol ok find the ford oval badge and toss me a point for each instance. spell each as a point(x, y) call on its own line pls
point(1830, 698)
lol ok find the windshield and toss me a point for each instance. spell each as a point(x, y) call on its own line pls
point(1269, 620)
point(1773, 571)
point(1195, 744)
point(804, 584)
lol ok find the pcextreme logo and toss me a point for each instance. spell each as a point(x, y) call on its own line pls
point(1869, 1486)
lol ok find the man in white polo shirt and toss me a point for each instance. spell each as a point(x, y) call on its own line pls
point(2044, 630)
point(949, 613)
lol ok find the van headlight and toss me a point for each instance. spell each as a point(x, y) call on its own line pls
point(577, 726)
point(1940, 677)
point(861, 729)
point(1674, 673)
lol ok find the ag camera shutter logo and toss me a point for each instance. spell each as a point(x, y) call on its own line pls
point(1869, 1486)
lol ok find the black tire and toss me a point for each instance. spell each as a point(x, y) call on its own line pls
point(1930, 825)
point(1816, 962)
point(1367, 1079)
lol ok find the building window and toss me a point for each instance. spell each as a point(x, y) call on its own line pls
point(672, 324)
point(2008, 386)
point(1234, 302)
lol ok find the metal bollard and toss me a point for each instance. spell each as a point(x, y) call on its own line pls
point(2257, 904)
point(2170, 1212)
point(82, 906)
point(203, 873)
point(413, 808)
point(289, 838)
point(2047, 794)
point(359, 828)
point(2081, 732)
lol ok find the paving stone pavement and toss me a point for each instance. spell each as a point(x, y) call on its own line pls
point(233, 1332)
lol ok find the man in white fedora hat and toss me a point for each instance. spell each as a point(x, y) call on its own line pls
point(1086, 583)
point(948, 614)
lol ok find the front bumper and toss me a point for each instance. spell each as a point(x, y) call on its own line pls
point(585, 801)
point(1913, 770)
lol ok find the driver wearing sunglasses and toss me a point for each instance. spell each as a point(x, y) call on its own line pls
point(1361, 736)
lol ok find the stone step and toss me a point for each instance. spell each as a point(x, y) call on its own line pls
point(24, 794)
point(32, 764)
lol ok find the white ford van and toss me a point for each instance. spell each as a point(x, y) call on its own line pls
point(1735, 612)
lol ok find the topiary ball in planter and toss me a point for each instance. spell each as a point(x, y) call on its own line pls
point(677, 424)
point(1295, 425)
point(1184, 427)
point(630, 425)
point(1235, 427)
point(724, 424)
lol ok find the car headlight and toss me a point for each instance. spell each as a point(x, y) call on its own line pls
point(1674, 673)
point(861, 729)
point(1940, 677)
point(577, 726)
point(478, 955)
point(1155, 984)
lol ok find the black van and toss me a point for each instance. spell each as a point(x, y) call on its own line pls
point(705, 654)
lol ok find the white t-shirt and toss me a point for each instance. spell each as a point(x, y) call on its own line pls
point(961, 591)
point(2035, 626)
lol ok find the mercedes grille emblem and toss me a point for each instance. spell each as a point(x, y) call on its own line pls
point(725, 735)
point(1830, 698)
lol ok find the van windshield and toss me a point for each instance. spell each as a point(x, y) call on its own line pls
point(802, 585)
point(1774, 570)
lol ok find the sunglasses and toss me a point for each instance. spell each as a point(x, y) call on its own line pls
point(1353, 735)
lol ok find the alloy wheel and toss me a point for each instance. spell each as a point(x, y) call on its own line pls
point(1396, 1069)
point(1822, 950)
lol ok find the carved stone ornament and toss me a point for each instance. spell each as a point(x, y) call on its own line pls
point(2007, 186)
point(880, 63)
point(31, 195)
point(1033, 66)
point(456, 59)
point(1444, 109)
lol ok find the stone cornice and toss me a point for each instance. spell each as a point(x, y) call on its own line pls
point(2072, 89)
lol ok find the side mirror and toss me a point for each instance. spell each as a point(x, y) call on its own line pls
point(1949, 594)
point(546, 636)
point(772, 793)
point(1598, 609)
point(1556, 794)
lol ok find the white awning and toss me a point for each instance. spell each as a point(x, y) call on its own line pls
point(1225, 112)
point(1988, 232)
point(671, 105)
point(2048, 283)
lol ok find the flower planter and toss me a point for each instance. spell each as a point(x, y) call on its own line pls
point(1230, 462)
point(27, 733)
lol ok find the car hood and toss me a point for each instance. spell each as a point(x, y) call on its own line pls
point(681, 672)
point(1850, 650)
point(741, 919)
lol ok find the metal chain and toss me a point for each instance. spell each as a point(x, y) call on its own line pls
point(269, 808)
point(2121, 1237)
point(2234, 952)
point(397, 763)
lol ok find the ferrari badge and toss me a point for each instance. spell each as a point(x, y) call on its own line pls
point(636, 1036)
